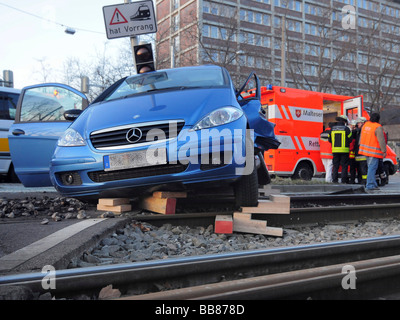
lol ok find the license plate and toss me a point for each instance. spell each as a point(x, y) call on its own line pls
point(135, 159)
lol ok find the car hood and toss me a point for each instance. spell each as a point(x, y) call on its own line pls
point(188, 104)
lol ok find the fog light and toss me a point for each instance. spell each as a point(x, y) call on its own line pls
point(70, 178)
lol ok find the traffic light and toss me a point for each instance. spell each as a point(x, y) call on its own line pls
point(144, 58)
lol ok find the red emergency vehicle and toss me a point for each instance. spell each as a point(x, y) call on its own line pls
point(300, 117)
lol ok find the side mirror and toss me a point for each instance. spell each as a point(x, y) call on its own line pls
point(72, 114)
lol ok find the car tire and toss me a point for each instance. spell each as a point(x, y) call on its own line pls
point(246, 190)
point(12, 176)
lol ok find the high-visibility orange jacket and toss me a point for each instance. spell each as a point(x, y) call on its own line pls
point(369, 143)
point(325, 147)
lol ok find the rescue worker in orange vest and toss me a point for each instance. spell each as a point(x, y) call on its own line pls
point(325, 149)
point(340, 139)
point(352, 153)
point(361, 160)
point(373, 146)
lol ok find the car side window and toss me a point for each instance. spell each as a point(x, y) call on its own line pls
point(48, 104)
point(8, 105)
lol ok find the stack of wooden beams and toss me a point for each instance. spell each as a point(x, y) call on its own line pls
point(163, 202)
point(116, 205)
point(243, 221)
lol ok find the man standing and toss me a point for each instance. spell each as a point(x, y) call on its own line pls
point(373, 146)
point(340, 139)
point(361, 160)
point(352, 152)
point(325, 149)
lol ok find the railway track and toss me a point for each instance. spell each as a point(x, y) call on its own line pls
point(306, 272)
point(305, 210)
point(303, 272)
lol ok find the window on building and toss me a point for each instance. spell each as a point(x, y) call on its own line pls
point(214, 32)
point(258, 18)
point(206, 7)
point(250, 61)
point(242, 15)
point(266, 19)
point(250, 16)
point(277, 22)
point(242, 37)
point(223, 33)
point(266, 42)
point(250, 38)
point(206, 30)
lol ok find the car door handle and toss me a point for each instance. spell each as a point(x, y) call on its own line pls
point(281, 131)
point(18, 132)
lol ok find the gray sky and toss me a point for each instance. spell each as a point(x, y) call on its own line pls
point(38, 34)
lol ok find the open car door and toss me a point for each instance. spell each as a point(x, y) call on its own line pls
point(250, 101)
point(39, 122)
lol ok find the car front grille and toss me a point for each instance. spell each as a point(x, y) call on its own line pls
point(116, 137)
point(104, 176)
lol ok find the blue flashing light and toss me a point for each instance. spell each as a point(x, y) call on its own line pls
point(269, 87)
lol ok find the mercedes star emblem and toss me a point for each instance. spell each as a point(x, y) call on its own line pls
point(134, 135)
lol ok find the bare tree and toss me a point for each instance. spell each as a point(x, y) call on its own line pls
point(379, 74)
point(312, 64)
point(103, 69)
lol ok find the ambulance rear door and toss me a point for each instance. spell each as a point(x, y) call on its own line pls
point(352, 108)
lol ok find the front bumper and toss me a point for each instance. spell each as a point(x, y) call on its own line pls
point(79, 171)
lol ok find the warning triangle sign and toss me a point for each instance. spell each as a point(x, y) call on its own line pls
point(117, 18)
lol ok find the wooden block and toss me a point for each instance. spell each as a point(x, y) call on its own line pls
point(113, 201)
point(268, 206)
point(223, 224)
point(116, 209)
point(267, 190)
point(279, 198)
point(273, 231)
point(169, 194)
point(242, 215)
point(242, 223)
point(158, 205)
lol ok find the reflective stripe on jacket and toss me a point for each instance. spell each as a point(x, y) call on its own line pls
point(340, 138)
point(369, 144)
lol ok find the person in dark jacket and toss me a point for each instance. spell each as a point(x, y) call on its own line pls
point(340, 138)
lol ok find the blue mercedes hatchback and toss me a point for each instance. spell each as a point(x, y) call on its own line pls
point(173, 129)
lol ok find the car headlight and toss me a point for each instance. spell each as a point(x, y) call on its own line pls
point(218, 117)
point(71, 138)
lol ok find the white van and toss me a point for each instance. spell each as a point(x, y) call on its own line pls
point(8, 104)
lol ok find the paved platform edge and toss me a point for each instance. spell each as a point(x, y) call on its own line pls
point(61, 254)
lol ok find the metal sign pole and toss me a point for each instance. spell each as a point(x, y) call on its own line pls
point(134, 40)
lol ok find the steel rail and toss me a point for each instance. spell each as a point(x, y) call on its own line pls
point(372, 279)
point(192, 271)
point(297, 216)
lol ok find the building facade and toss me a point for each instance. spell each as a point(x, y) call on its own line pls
point(349, 47)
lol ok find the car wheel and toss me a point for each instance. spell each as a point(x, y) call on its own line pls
point(246, 189)
point(12, 176)
point(386, 167)
point(303, 172)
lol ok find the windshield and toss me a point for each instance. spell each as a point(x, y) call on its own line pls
point(172, 79)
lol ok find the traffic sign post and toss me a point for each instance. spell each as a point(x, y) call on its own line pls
point(130, 19)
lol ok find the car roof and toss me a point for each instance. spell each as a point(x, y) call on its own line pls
point(9, 90)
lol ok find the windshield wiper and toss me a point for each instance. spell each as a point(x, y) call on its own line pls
point(154, 90)
point(168, 88)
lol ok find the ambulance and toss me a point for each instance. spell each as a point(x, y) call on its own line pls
point(300, 116)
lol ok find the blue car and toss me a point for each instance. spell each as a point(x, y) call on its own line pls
point(174, 129)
